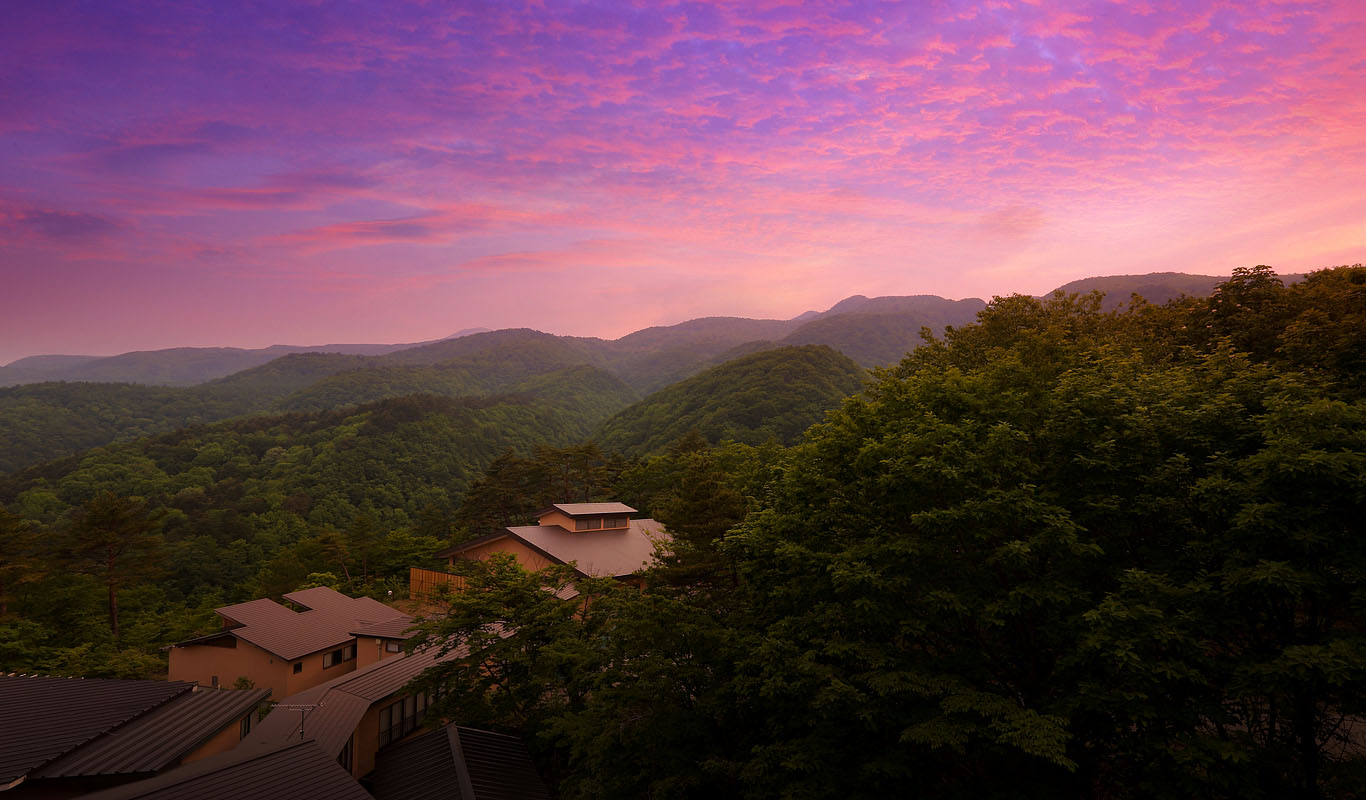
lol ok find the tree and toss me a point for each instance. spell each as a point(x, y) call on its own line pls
point(18, 561)
point(114, 539)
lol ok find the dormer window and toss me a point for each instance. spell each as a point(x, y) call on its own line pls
point(600, 523)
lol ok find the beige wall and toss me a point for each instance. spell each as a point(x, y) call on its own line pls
point(370, 649)
point(528, 558)
point(556, 518)
point(199, 663)
point(226, 740)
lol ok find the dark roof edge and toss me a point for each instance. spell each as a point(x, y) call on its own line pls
point(478, 540)
point(627, 510)
point(458, 757)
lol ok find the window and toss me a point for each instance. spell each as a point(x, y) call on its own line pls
point(401, 718)
point(336, 657)
point(393, 647)
point(589, 524)
point(614, 522)
point(244, 727)
point(214, 681)
point(298, 667)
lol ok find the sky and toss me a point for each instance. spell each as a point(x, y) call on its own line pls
point(252, 173)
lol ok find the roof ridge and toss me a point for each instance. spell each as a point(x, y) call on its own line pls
point(126, 721)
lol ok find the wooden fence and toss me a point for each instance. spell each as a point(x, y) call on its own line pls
point(425, 583)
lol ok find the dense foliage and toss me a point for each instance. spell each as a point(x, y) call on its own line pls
point(775, 394)
point(1059, 552)
point(1062, 551)
point(223, 513)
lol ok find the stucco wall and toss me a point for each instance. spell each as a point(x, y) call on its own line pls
point(528, 558)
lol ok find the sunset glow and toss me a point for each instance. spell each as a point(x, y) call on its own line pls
point(225, 174)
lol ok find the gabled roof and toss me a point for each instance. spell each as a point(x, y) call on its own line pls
point(392, 629)
point(588, 509)
point(296, 771)
point(68, 727)
point(458, 763)
point(156, 740)
point(328, 621)
point(603, 554)
point(330, 712)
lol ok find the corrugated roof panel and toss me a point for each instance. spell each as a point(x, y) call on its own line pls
point(48, 717)
point(606, 554)
point(499, 767)
point(458, 764)
point(419, 769)
point(299, 771)
point(390, 629)
point(159, 738)
point(292, 634)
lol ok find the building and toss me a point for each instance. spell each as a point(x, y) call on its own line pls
point(600, 539)
point(351, 717)
point(63, 737)
point(284, 650)
point(457, 763)
point(293, 771)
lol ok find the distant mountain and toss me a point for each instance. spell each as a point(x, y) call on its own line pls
point(774, 394)
point(185, 386)
point(882, 330)
point(176, 366)
point(1155, 287)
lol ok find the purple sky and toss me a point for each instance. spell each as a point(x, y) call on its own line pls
point(256, 173)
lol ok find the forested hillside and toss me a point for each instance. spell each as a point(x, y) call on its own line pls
point(57, 419)
point(775, 394)
point(226, 512)
point(1060, 552)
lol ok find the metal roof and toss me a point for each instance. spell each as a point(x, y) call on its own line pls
point(297, 771)
point(498, 766)
point(289, 634)
point(46, 718)
point(589, 509)
point(610, 553)
point(338, 705)
point(159, 738)
point(391, 629)
point(460, 764)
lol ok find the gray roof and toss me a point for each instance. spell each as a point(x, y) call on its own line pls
point(73, 726)
point(289, 634)
point(296, 771)
point(590, 509)
point(458, 763)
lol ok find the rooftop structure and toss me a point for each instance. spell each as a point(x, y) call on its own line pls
point(456, 763)
point(601, 539)
point(352, 716)
point(294, 771)
point(276, 647)
point(62, 733)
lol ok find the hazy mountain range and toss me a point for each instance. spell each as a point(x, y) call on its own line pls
point(80, 402)
point(870, 330)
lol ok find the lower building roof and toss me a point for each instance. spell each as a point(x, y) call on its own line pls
point(69, 727)
point(458, 763)
point(293, 771)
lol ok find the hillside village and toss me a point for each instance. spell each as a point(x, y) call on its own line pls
point(1067, 549)
point(313, 698)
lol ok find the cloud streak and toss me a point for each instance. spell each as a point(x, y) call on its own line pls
point(957, 148)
